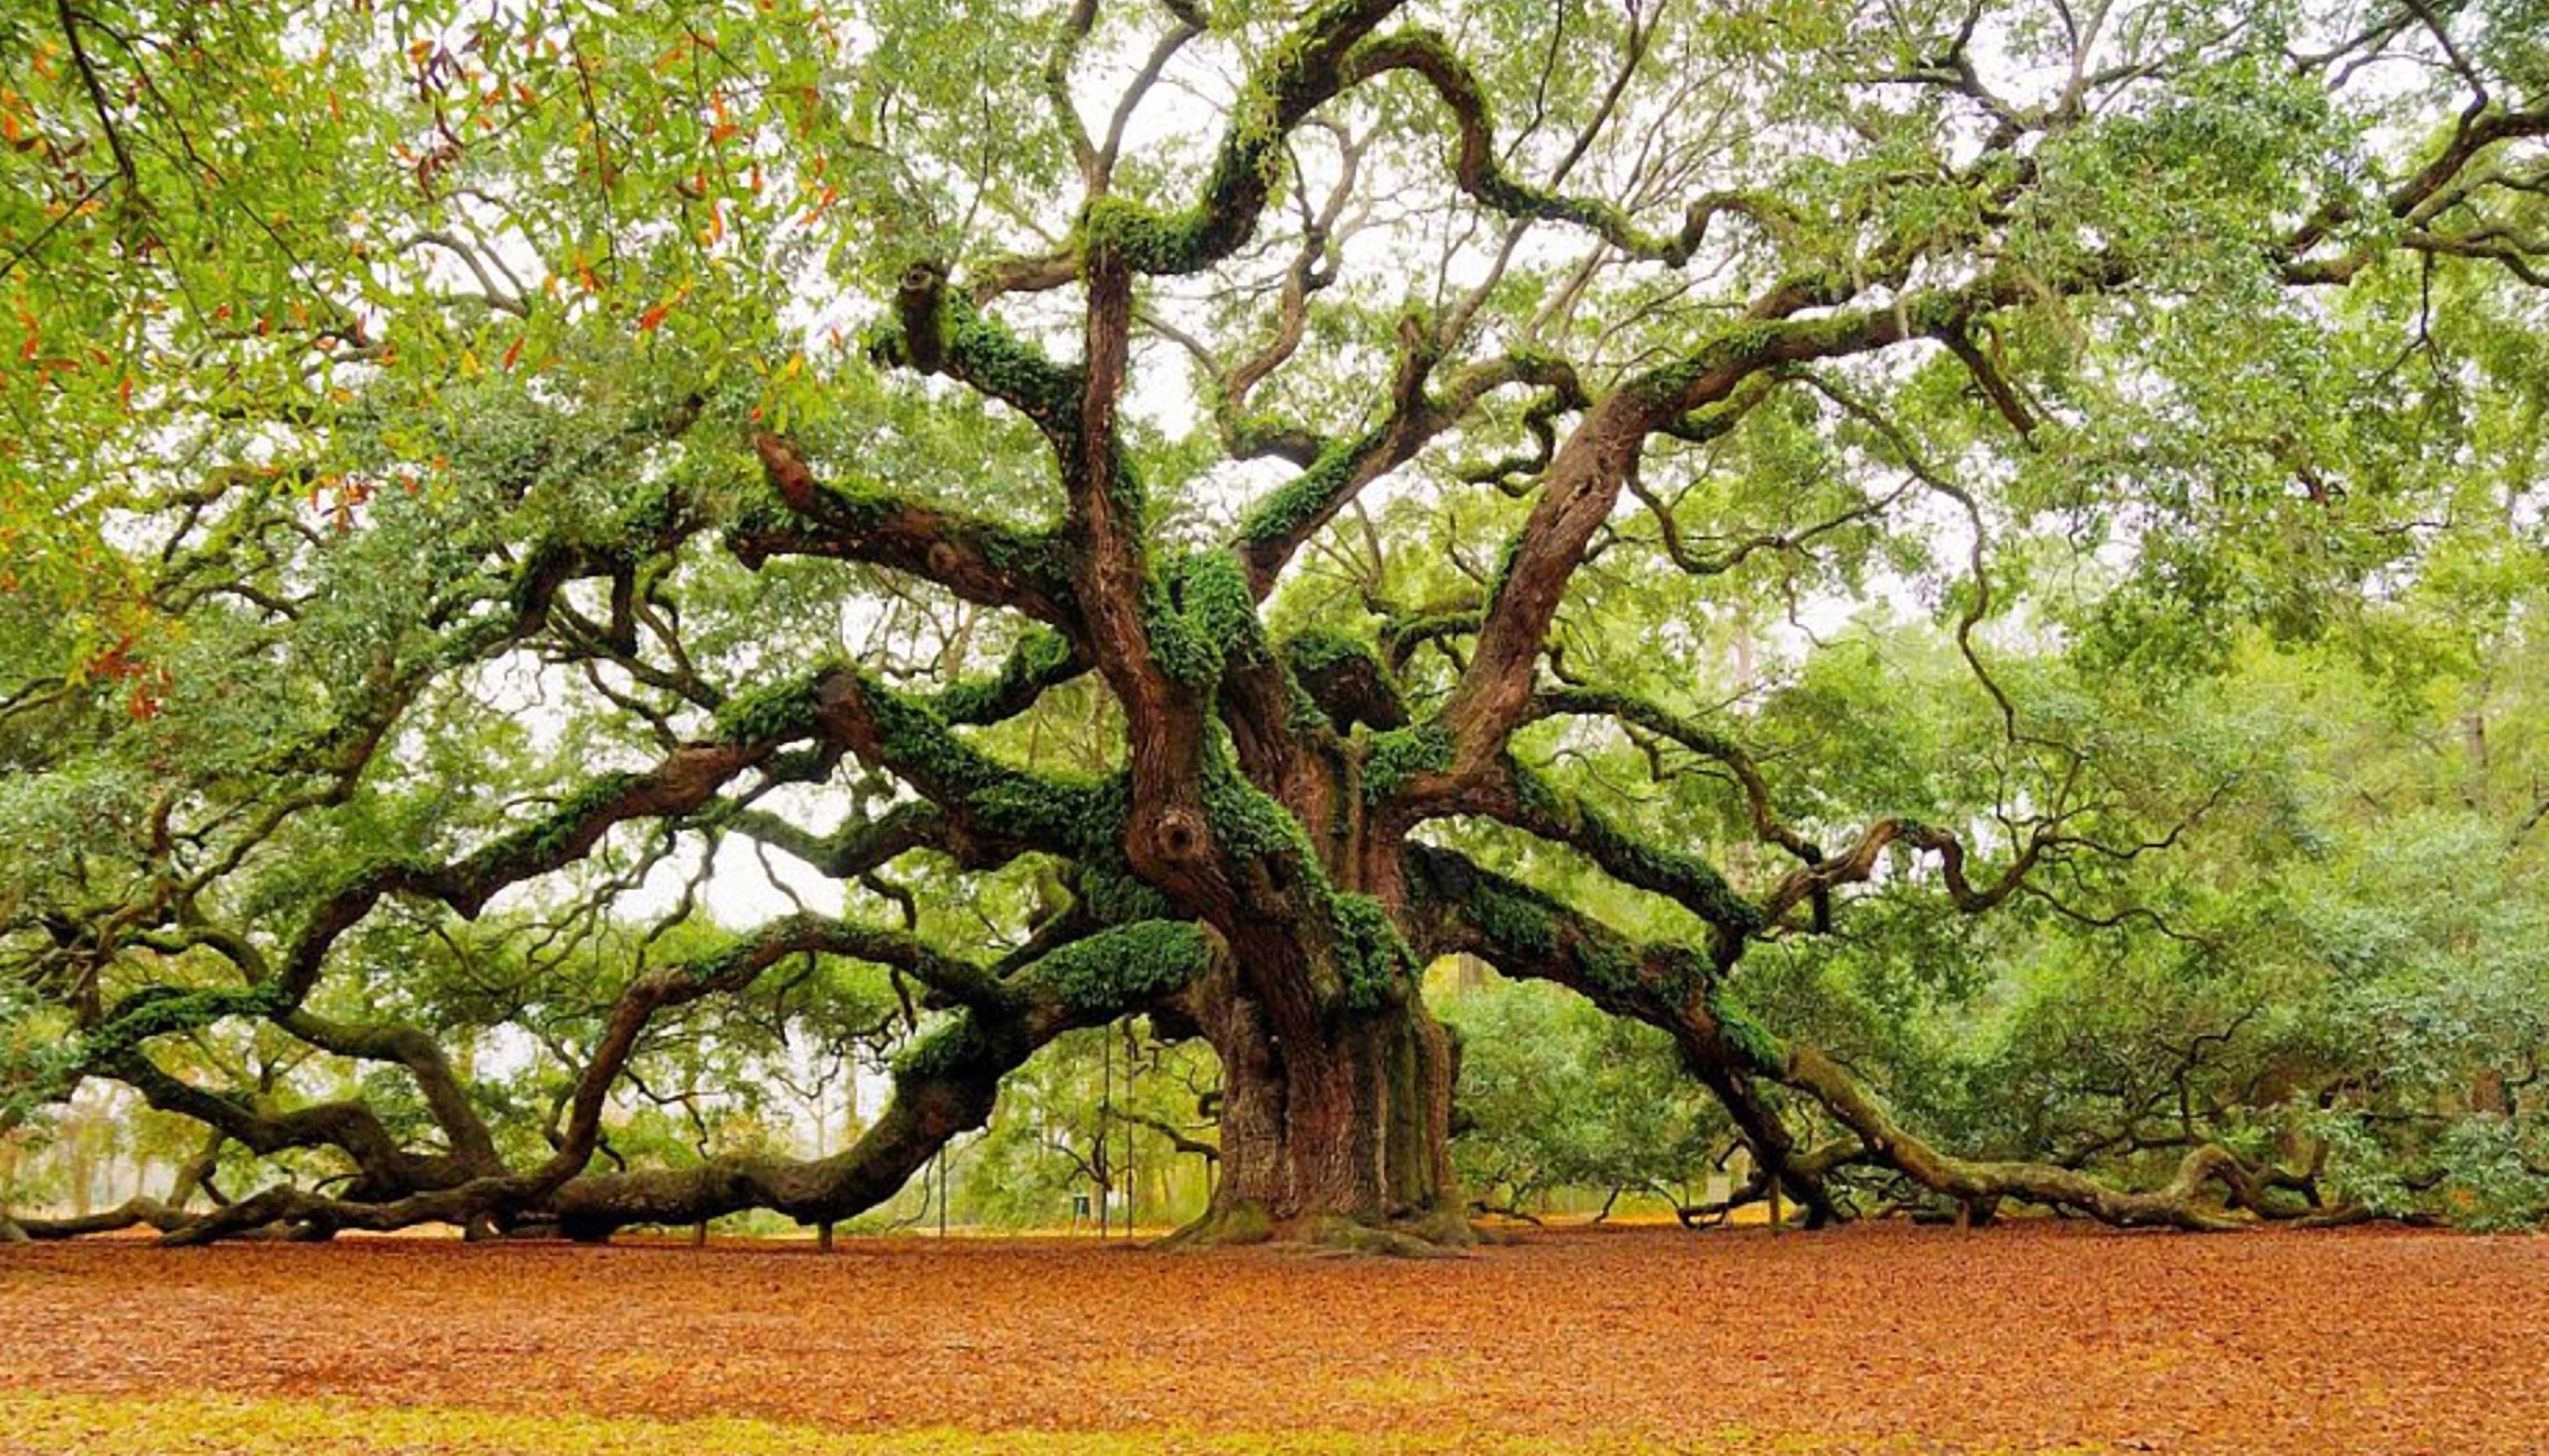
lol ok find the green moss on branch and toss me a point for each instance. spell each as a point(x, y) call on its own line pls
point(1298, 507)
point(1374, 962)
point(1041, 660)
point(1202, 618)
point(778, 712)
point(1117, 970)
point(1687, 879)
point(1299, 73)
point(168, 1011)
point(1399, 754)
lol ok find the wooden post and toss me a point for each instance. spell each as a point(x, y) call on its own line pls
point(1105, 1104)
point(1132, 1184)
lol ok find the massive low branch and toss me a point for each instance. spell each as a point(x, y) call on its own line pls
point(351, 1127)
point(473, 1148)
point(944, 1084)
point(1527, 934)
point(989, 803)
point(2175, 1205)
point(1462, 907)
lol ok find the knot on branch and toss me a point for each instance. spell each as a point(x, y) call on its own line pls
point(917, 307)
point(787, 470)
point(1346, 679)
point(1417, 358)
point(1179, 836)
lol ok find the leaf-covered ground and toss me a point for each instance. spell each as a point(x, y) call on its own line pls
point(1880, 1340)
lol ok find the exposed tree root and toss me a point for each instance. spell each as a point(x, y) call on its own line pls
point(1224, 1227)
point(1443, 1234)
point(1513, 1211)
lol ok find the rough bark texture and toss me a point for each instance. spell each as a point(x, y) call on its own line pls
point(1345, 1139)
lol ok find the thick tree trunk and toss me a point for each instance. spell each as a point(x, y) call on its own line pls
point(1340, 1139)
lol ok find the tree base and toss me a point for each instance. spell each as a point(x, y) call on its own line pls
point(1443, 1234)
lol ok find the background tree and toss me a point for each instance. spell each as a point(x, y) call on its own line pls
point(1553, 1095)
point(1110, 1115)
point(1188, 510)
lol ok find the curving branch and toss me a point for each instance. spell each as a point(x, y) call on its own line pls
point(1478, 167)
point(1856, 863)
point(978, 560)
point(976, 797)
point(1039, 663)
point(1275, 527)
point(684, 781)
point(472, 1147)
point(383, 1164)
point(944, 1084)
point(138, 1213)
point(1696, 395)
point(1296, 77)
point(1630, 710)
point(2480, 130)
point(1463, 907)
point(1521, 797)
point(938, 331)
point(1525, 933)
point(860, 844)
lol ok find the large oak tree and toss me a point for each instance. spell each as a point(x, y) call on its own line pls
point(1159, 503)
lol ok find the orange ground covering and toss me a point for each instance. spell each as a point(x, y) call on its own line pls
point(2022, 1338)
